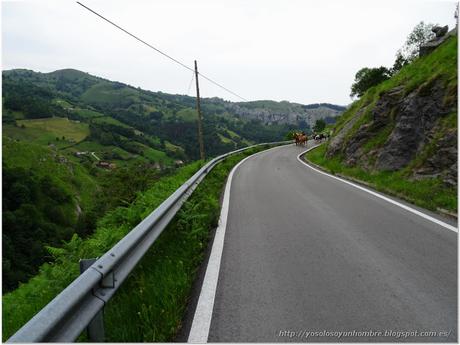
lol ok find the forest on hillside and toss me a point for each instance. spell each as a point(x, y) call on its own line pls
point(76, 146)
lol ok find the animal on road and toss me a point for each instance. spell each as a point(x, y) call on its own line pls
point(320, 137)
point(300, 139)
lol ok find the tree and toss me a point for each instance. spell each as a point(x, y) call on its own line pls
point(320, 124)
point(420, 35)
point(399, 63)
point(365, 78)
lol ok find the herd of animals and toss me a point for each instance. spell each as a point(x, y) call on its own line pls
point(302, 139)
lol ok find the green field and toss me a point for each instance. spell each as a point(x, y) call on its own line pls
point(58, 127)
point(87, 113)
point(125, 155)
point(110, 120)
point(171, 147)
point(224, 139)
point(104, 93)
point(63, 103)
point(232, 134)
point(156, 155)
point(92, 146)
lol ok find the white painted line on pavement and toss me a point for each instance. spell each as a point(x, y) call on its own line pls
point(394, 202)
point(203, 313)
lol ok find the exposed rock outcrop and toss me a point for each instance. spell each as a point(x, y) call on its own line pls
point(417, 114)
point(440, 30)
point(335, 145)
point(441, 36)
point(412, 123)
point(271, 112)
point(443, 163)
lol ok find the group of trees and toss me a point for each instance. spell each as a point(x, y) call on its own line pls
point(35, 214)
point(366, 77)
point(184, 133)
point(319, 126)
point(33, 101)
point(40, 210)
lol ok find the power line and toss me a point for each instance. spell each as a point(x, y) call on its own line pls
point(190, 84)
point(161, 52)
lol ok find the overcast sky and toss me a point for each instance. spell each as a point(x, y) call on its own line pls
point(301, 51)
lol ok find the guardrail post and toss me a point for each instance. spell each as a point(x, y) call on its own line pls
point(95, 329)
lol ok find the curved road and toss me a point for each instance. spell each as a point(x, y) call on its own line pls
point(305, 252)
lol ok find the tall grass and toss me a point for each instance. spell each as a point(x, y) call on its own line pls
point(431, 193)
point(150, 304)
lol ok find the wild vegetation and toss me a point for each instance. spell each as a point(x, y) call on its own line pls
point(75, 146)
point(366, 77)
point(118, 114)
point(150, 305)
point(401, 135)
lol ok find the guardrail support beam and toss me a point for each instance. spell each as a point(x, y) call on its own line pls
point(95, 329)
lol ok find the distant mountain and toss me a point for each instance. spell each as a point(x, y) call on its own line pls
point(284, 112)
point(76, 145)
point(228, 125)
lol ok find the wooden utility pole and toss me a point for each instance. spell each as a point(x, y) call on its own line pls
point(198, 109)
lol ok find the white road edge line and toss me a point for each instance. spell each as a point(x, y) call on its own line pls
point(203, 313)
point(407, 208)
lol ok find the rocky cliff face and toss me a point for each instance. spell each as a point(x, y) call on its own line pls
point(409, 123)
point(271, 112)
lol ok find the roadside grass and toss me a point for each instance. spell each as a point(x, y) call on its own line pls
point(21, 304)
point(438, 67)
point(150, 304)
point(431, 194)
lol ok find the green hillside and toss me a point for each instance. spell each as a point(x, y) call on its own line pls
point(95, 143)
point(100, 142)
point(401, 135)
point(163, 283)
point(112, 107)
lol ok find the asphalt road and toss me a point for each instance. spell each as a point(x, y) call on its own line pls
point(304, 252)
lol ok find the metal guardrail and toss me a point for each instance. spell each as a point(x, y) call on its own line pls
point(80, 303)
